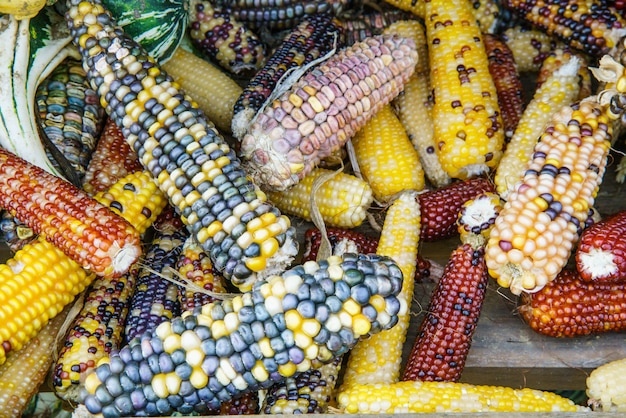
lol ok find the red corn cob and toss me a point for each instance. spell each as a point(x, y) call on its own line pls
point(506, 78)
point(445, 336)
point(84, 229)
point(601, 251)
point(568, 306)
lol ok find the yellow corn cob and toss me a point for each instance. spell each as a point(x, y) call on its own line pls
point(342, 201)
point(559, 90)
point(386, 157)
point(414, 105)
point(25, 370)
point(556, 59)
point(378, 359)
point(213, 91)
point(547, 210)
point(444, 397)
point(468, 126)
point(605, 387)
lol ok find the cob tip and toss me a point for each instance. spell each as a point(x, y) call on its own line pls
point(123, 257)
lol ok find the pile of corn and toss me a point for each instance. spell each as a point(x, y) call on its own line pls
point(172, 233)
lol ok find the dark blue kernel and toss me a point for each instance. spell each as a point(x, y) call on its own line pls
point(321, 313)
point(175, 401)
point(223, 347)
point(92, 404)
point(103, 395)
point(124, 405)
point(210, 365)
point(186, 388)
point(307, 309)
point(178, 356)
point(165, 363)
point(248, 359)
point(334, 304)
point(361, 294)
point(270, 365)
point(208, 347)
point(288, 338)
point(114, 386)
point(237, 341)
point(290, 301)
point(279, 321)
point(163, 407)
point(110, 411)
point(183, 371)
point(322, 336)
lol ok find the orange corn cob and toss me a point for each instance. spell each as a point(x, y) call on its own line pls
point(325, 108)
point(601, 250)
point(84, 229)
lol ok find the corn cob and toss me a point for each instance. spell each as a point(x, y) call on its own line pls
point(342, 199)
point(569, 306)
point(278, 15)
point(590, 26)
point(82, 228)
point(386, 157)
point(312, 39)
point(601, 250)
point(71, 118)
point(25, 370)
point(529, 46)
point(194, 266)
point(211, 89)
point(112, 160)
point(309, 392)
point(378, 359)
point(440, 207)
point(467, 120)
point(224, 348)
point(604, 387)
point(560, 90)
point(507, 81)
point(426, 269)
point(325, 108)
point(191, 162)
point(447, 397)
point(155, 298)
point(546, 212)
point(477, 217)
point(559, 57)
point(220, 37)
point(414, 105)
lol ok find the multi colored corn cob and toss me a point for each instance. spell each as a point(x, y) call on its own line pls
point(325, 108)
point(604, 387)
point(278, 15)
point(378, 359)
point(447, 397)
point(546, 212)
point(312, 39)
point(386, 157)
point(312, 312)
point(440, 207)
point(308, 392)
point(601, 250)
point(25, 370)
point(560, 90)
point(111, 160)
point(426, 269)
point(414, 105)
point(589, 26)
point(341, 199)
point(87, 231)
point(14, 232)
point(569, 306)
point(155, 298)
point(529, 46)
point(71, 118)
point(211, 89)
point(477, 217)
point(467, 120)
point(219, 36)
point(193, 165)
point(507, 80)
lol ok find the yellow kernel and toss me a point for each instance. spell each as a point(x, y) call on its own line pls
point(351, 306)
point(361, 325)
point(171, 343)
point(198, 378)
point(260, 372)
point(172, 381)
point(159, 385)
point(293, 319)
point(265, 347)
point(194, 357)
point(288, 369)
point(295, 100)
point(256, 264)
point(218, 329)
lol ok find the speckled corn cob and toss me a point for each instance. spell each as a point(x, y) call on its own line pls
point(414, 105)
point(342, 200)
point(279, 15)
point(442, 397)
point(193, 165)
point(560, 90)
point(313, 312)
point(308, 392)
point(111, 160)
point(529, 46)
point(219, 36)
point(378, 359)
point(605, 387)
point(313, 38)
point(601, 250)
point(467, 120)
point(155, 298)
point(569, 306)
point(590, 26)
point(507, 81)
point(325, 108)
point(71, 118)
point(546, 212)
point(84, 229)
